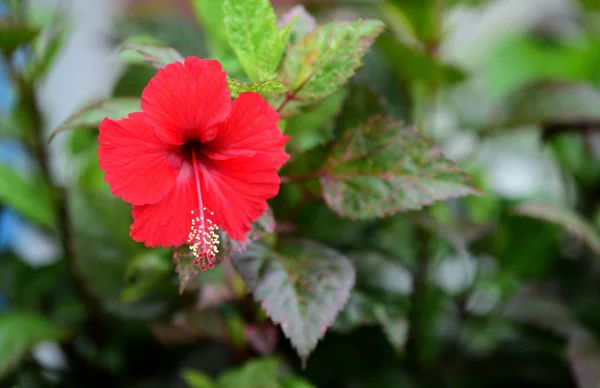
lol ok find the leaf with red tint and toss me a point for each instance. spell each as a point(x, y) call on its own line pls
point(302, 286)
point(381, 168)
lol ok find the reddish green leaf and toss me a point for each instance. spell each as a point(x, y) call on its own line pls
point(325, 59)
point(90, 116)
point(381, 168)
point(302, 286)
point(143, 50)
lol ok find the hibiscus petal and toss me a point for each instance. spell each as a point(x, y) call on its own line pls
point(237, 189)
point(167, 223)
point(137, 164)
point(250, 129)
point(186, 100)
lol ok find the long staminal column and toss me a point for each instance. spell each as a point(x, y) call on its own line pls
point(203, 238)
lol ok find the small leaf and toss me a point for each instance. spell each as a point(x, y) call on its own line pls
point(264, 88)
point(32, 199)
point(143, 50)
point(252, 32)
point(381, 168)
point(260, 373)
point(90, 116)
point(196, 379)
point(18, 333)
point(302, 286)
point(565, 218)
point(324, 60)
point(13, 35)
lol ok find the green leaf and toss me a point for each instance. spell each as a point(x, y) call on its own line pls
point(90, 116)
point(324, 60)
point(15, 34)
point(315, 127)
point(254, 374)
point(264, 88)
point(252, 32)
point(32, 199)
point(381, 168)
point(195, 379)
point(302, 286)
point(413, 64)
point(565, 218)
point(141, 49)
point(18, 333)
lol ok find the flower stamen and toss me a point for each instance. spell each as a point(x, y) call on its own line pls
point(203, 238)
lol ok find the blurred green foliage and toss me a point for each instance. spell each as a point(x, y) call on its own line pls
point(494, 290)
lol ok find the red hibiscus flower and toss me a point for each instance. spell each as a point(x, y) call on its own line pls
point(193, 161)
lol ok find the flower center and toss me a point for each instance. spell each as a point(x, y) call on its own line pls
point(203, 238)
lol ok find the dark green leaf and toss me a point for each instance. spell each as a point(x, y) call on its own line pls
point(14, 34)
point(90, 116)
point(142, 50)
point(324, 60)
point(315, 127)
point(254, 374)
point(18, 333)
point(381, 168)
point(264, 88)
point(295, 382)
point(32, 199)
point(302, 286)
point(252, 32)
point(413, 64)
point(565, 218)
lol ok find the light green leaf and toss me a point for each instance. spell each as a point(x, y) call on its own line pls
point(90, 116)
point(324, 60)
point(32, 199)
point(18, 333)
point(302, 286)
point(381, 168)
point(14, 34)
point(565, 218)
point(264, 88)
point(252, 32)
point(315, 127)
point(196, 379)
point(254, 374)
point(142, 49)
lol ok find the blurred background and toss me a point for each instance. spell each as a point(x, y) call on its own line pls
point(502, 291)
